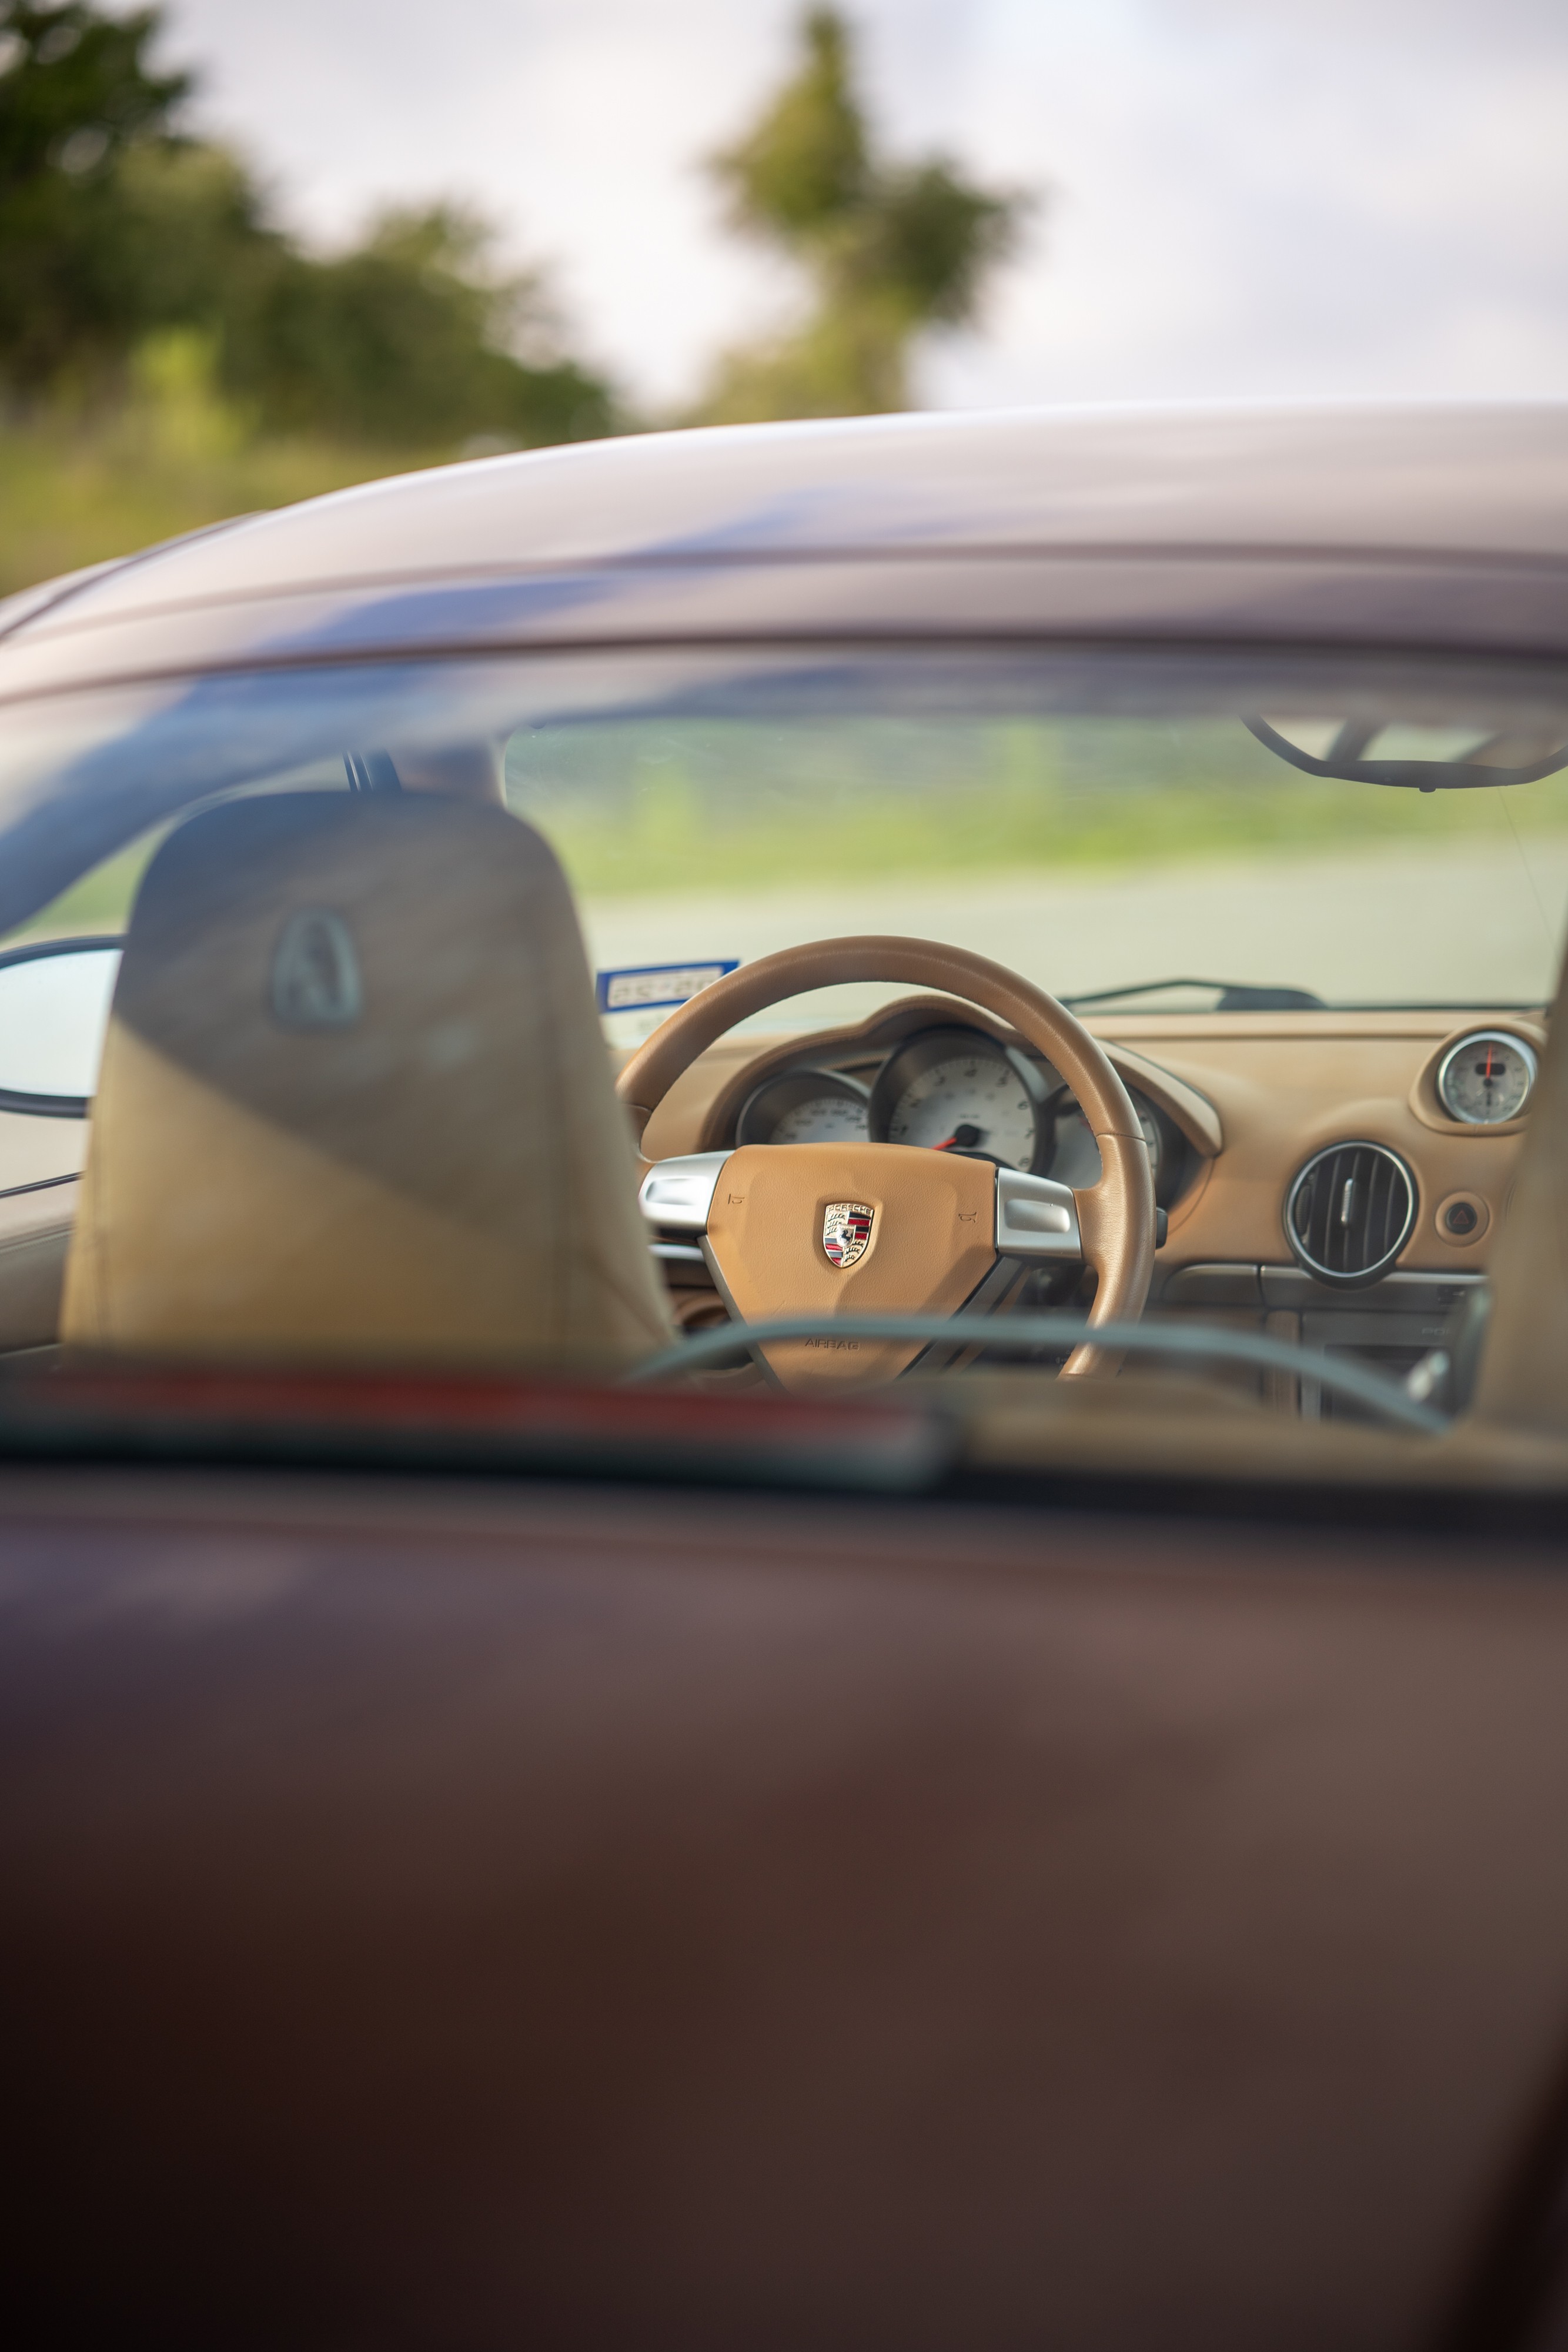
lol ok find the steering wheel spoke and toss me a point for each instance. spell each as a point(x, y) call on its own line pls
point(676, 1194)
point(1037, 1218)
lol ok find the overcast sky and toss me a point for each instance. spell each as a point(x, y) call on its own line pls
point(1242, 196)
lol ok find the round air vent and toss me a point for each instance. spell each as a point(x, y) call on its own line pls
point(1350, 1211)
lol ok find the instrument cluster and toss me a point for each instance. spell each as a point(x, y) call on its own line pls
point(955, 1089)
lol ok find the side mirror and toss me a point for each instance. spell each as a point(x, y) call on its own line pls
point(55, 997)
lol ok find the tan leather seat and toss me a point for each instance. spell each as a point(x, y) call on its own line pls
point(354, 1103)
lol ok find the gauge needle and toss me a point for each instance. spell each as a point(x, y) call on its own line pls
point(963, 1139)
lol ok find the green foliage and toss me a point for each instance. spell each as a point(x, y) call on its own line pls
point(805, 166)
point(200, 229)
point(114, 227)
point(169, 456)
point(929, 242)
point(405, 338)
point(888, 251)
point(76, 96)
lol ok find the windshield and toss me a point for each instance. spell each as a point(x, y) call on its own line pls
point(1098, 855)
point(1100, 827)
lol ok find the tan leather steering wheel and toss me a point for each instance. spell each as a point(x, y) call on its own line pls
point(879, 1228)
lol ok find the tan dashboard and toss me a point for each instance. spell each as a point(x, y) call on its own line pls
point(1255, 1095)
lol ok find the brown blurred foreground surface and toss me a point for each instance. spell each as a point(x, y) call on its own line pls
point(462, 1917)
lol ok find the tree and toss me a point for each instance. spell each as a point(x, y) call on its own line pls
point(414, 335)
point(75, 95)
point(887, 251)
point(115, 224)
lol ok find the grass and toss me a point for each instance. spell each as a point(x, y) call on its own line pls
point(99, 902)
point(77, 490)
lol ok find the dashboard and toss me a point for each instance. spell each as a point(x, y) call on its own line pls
point(1335, 1176)
point(953, 1088)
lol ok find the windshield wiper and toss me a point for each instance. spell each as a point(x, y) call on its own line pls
point(1235, 996)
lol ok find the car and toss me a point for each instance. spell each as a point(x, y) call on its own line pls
point(783, 1409)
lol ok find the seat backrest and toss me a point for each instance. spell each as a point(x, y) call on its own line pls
point(354, 1103)
point(1522, 1325)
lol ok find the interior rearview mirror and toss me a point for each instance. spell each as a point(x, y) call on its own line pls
point(1424, 758)
point(55, 996)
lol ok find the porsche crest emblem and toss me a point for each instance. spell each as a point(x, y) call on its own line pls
point(846, 1230)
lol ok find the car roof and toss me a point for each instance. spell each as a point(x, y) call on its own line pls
point(1423, 526)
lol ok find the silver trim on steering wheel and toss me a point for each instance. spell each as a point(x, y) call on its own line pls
point(676, 1194)
point(1036, 1217)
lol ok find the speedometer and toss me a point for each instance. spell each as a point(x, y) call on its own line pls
point(959, 1090)
point(1486, 1078)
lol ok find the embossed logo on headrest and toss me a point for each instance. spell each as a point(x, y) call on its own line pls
point(316, 973)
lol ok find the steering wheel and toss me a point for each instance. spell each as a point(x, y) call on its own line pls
point(882, 1228)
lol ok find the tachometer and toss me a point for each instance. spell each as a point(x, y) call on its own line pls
point(1486, 1078)
point(805, 1107)
point(821, 1119)
point(959, 1090)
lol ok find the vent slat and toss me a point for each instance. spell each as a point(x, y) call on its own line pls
point(1351, 1237)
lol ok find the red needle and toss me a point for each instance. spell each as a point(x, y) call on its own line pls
point(949, 1146)
point(1486, 1075)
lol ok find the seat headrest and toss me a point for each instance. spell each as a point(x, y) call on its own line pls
point(354, 1103)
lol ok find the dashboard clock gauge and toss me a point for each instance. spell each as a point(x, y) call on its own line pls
point(805, 1107)
point(1486, 1078)
point(959, 1090)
